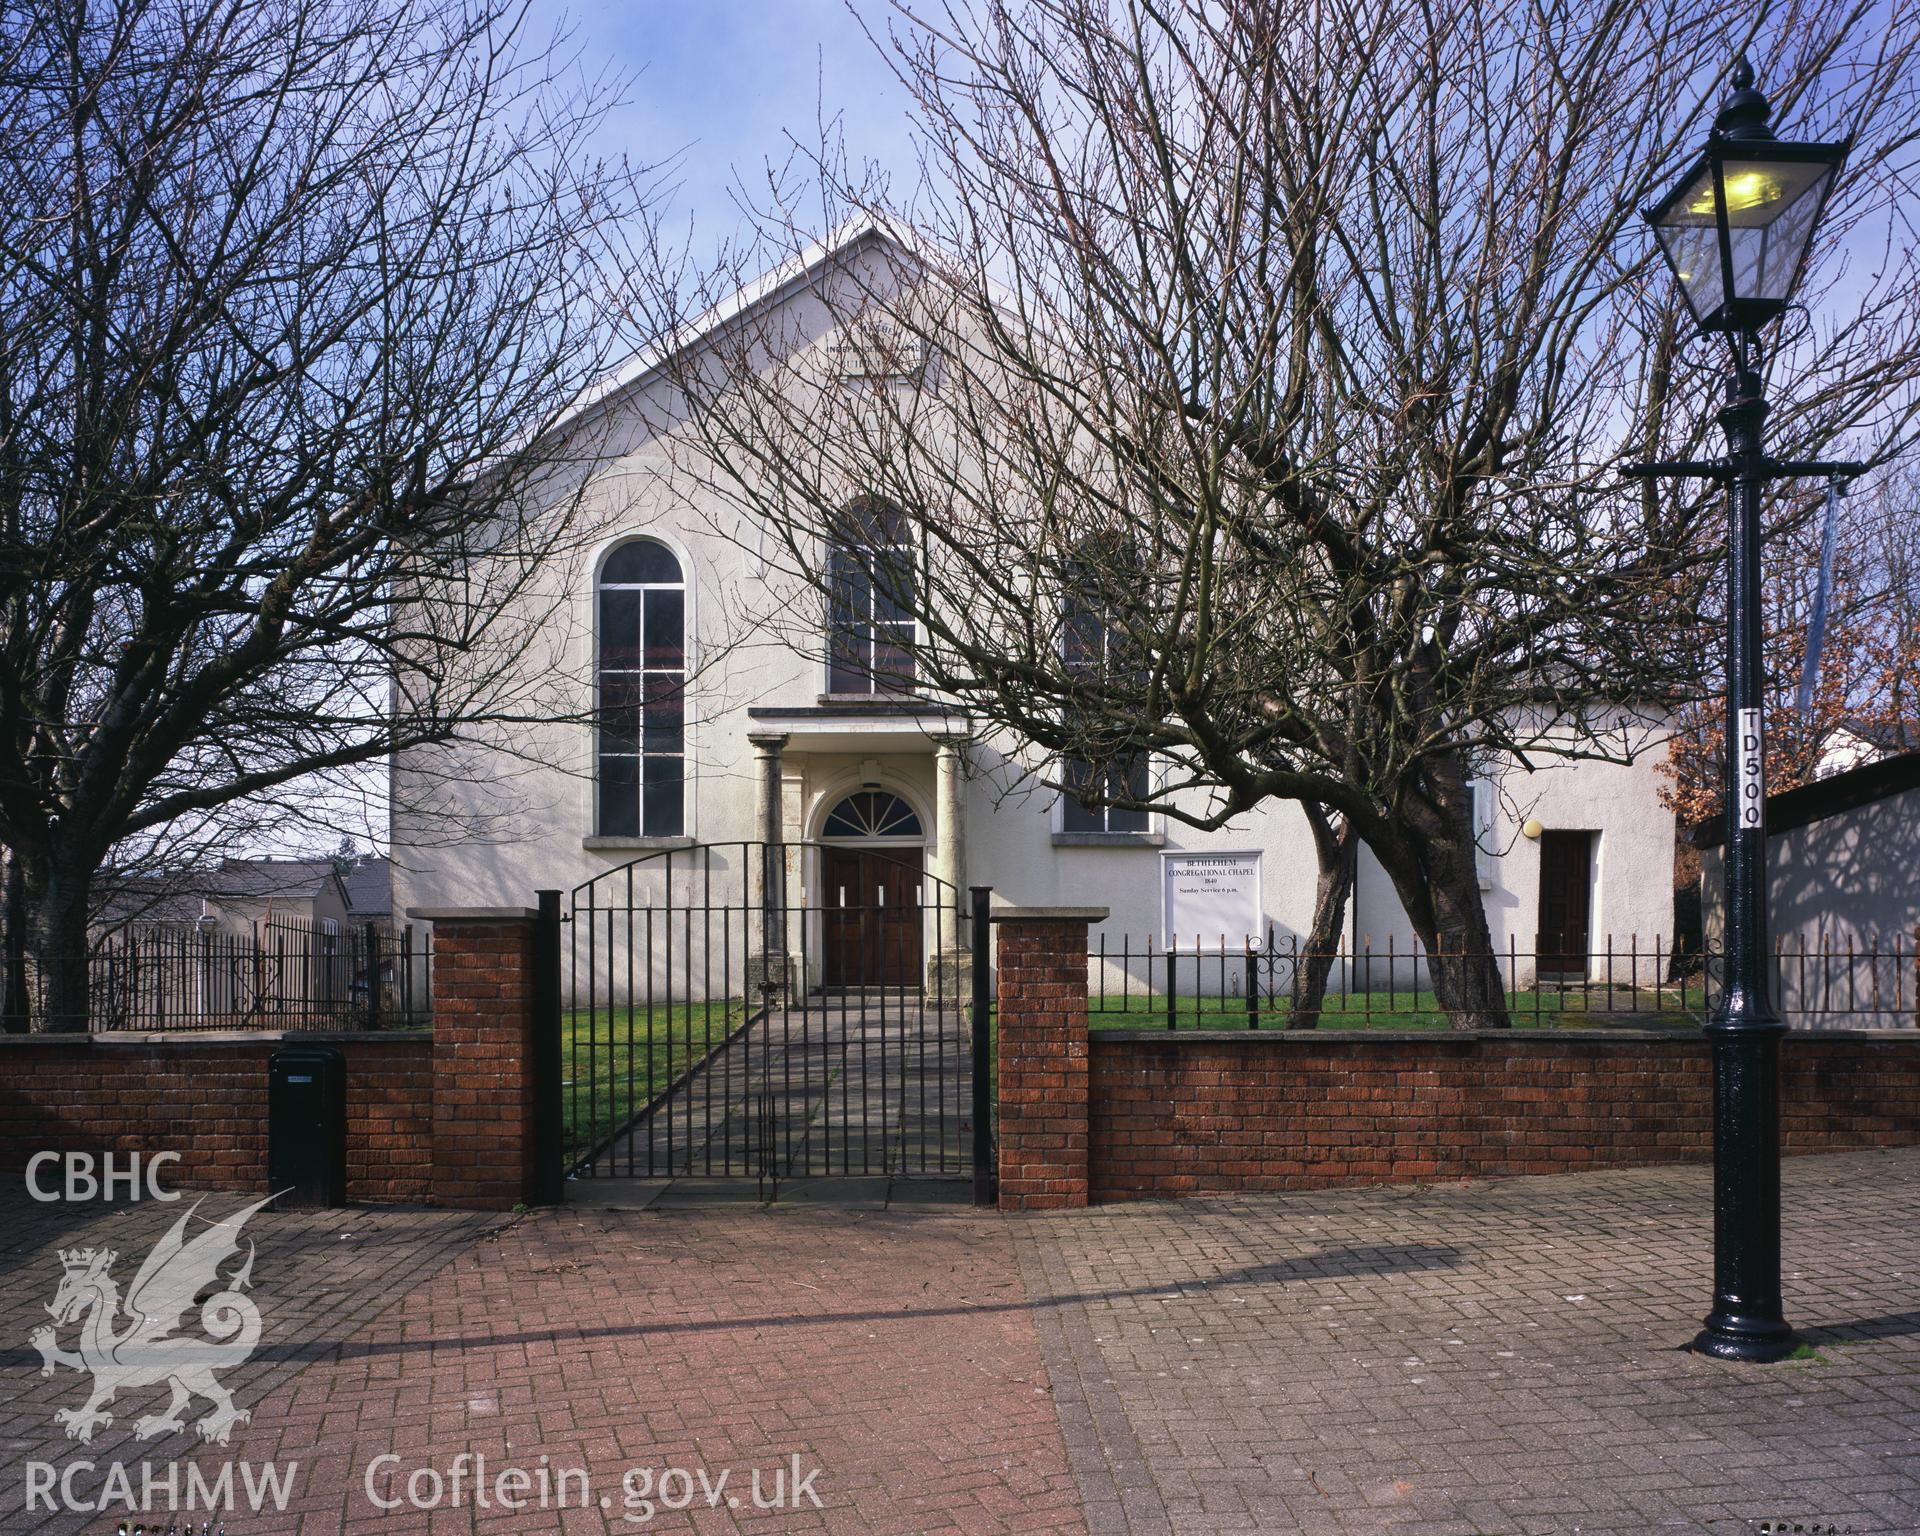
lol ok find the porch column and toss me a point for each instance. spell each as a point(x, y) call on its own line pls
point(767, 961)
point(949, 973)
point(767, 746)
point(950, 812)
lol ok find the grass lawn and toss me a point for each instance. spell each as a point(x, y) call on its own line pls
point(608, 1072)
point(1598, 1009)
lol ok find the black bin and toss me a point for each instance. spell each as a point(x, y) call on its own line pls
point(307, 1126)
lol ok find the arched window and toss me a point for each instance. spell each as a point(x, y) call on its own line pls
point(642, 691)
point(870, 623)
point(1091, 646)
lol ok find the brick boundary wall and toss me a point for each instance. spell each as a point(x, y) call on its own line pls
point(1040, 958)
point(1199, 1112)
point(1132, 1113)
point(204, 1096)
point(442, 1117)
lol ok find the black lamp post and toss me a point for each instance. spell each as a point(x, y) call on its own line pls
point(1736, 230)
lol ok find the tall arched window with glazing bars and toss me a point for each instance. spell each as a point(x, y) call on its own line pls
point(870, 611)
point(640, 773)
point(1092, 644)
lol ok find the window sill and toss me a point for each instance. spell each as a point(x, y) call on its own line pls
point(879, 698)
point(1109, 840)
point(637, 843)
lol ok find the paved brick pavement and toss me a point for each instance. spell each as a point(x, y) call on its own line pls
point(892, 1349)
point(1496, 1357)
point(1489, 1358)
point(317, 1277)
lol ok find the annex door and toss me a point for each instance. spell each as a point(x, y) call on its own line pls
point(1566, 885)
point(870, 933)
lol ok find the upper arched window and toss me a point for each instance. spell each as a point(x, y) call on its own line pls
point(870, 623)
point(642, 687)
point(1094, 646)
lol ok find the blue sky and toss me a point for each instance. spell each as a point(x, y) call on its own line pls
point(725, 82)
point(719, 84)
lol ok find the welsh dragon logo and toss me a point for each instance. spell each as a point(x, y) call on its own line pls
point(147, 1350)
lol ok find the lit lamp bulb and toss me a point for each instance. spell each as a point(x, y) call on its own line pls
point(1746, 191)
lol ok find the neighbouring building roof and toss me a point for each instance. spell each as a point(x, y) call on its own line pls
point(369, 884)
point(1890, 736)
point(181, 895)
point(266, 877)
point(1808, 803)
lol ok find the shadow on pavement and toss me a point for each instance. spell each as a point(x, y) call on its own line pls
point(1333, 1263)
point(1892, 1326)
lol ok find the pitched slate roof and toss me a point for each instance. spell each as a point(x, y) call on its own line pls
point(369, 883)
point(180, 895)
point(264, 877)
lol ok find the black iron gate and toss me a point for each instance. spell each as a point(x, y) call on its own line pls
point(770, 1011)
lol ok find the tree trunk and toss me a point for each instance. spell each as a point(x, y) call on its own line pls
point(15, 1012)
point(57, 936)
point(1336, 851)
point(1460, 958)
point(1436, 875)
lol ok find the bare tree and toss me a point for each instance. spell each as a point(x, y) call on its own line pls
point(290, 292)
point(1304, 344)
point(1866, 682)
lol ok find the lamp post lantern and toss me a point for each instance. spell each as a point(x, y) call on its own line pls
point(1736, 229)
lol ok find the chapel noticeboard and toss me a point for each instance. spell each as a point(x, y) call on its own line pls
point(1206, 895)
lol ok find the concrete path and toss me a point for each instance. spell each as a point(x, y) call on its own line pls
point(844, 1085)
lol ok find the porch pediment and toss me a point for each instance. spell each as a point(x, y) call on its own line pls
point(865, 726)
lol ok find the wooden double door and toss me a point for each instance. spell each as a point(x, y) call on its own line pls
point(871, 923)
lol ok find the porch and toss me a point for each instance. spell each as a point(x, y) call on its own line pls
point(871, 797)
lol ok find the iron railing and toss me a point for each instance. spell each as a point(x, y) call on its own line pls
point(1832, 984)
point(277, 974)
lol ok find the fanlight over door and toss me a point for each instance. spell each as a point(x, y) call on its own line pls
point(871, 813)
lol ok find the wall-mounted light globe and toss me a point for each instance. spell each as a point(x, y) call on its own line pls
point(1736, 226)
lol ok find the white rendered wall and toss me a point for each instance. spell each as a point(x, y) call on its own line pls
point(522, 803)
point(1843, 898)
